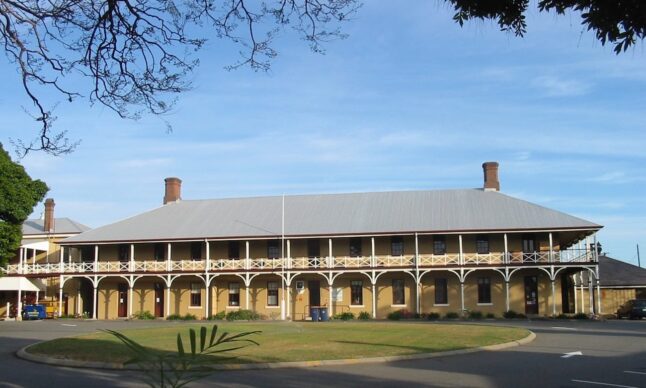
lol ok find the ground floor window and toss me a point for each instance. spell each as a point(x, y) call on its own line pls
point(234, 294)
point(356, 293)
point(196, 295)
point(398, 291)
point(484, 290)
point(441, 291)
point(272, 293)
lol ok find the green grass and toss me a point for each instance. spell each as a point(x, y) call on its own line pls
point(296, 341)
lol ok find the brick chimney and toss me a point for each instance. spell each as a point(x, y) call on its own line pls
point(48, 225)
point(173, 190)
point(491, 182)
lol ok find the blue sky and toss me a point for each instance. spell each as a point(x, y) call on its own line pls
point(409, 101)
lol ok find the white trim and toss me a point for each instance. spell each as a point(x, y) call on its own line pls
point(357, 306)
point(484, 304)
point(398, 305)
point(441, 305)
point(272, 307)
point(195, 307)
point(233, 307)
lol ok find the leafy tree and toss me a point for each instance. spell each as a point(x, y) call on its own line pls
point(620, 22)
point(135, 54)
point(18, 196)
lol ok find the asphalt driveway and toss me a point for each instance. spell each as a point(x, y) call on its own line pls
point(564, 354)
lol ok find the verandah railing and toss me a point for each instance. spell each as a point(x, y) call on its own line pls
point(380, 261)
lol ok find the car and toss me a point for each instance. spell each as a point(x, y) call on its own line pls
point(633, 309)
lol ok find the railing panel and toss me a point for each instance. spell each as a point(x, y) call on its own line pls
point(394, 261)
point(483, 258)
point(351, 262)
point(227, 264)
point(266, 263)
point(439, 260)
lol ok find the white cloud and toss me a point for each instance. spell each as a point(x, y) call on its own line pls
point(553, 86)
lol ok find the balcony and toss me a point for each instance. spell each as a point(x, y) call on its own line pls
point(306, 263)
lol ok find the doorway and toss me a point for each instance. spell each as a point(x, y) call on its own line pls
point(531, 295)
point(314, 288)
point(123, 300)
point(65, 304)
point(159, 300)
point(567, 293)
point(87, 297)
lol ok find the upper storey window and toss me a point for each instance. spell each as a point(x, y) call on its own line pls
point(439, 245)
point(397, 246)
point(196, 250)
point(482, 244)
point(313, 248)
point(124, 252)
point(355, 247)
point(273, 249)
point(234, 249)
point(529, 243)
point(159, 252)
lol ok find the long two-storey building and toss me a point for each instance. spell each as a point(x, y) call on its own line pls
point(423, 251)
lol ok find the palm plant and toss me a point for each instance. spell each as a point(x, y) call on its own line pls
point(164, 369)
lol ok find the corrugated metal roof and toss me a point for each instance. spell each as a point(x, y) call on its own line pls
point(335, 214)
point(61, 226)
point(616, 273)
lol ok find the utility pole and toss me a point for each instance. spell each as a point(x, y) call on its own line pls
point(639, 263)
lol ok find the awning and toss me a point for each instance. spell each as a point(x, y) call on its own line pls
point(12, 283)
point(42, 245)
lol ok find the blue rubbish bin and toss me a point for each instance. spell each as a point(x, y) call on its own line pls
point(314, 313)
point(324, 314)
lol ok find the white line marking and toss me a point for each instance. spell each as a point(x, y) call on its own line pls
point(564, 328)
point(605, 384)
point(67, 324)
point(633, 372)
point(568, 355)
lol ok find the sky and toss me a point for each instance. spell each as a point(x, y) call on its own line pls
point(409, 101)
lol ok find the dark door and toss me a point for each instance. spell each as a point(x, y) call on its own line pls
point(531, 295)
point(314, 253)
point(314, 287)
point(123, 300)
point(159, 300)
point(65, 303)
point(567, 293)
point(87, 296)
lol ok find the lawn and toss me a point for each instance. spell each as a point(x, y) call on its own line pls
point(296, 341)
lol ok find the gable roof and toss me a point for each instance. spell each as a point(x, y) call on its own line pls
point(61, 226)
point(335, 214)
point(617, 273)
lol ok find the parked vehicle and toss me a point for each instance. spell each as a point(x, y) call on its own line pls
point(633, 309)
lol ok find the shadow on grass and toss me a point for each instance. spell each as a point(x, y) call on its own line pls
point(99, 350)
point(412, 349)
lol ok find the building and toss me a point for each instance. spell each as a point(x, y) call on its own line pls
point(619, 283)
point(423, 251)
point(39, 253)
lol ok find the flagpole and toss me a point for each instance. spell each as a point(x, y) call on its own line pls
point(282, 254)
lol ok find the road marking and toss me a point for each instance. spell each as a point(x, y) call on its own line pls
point(564, 328)
point(571, 354)
point(633, 372)
point(67, 324)
point(604, 384)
